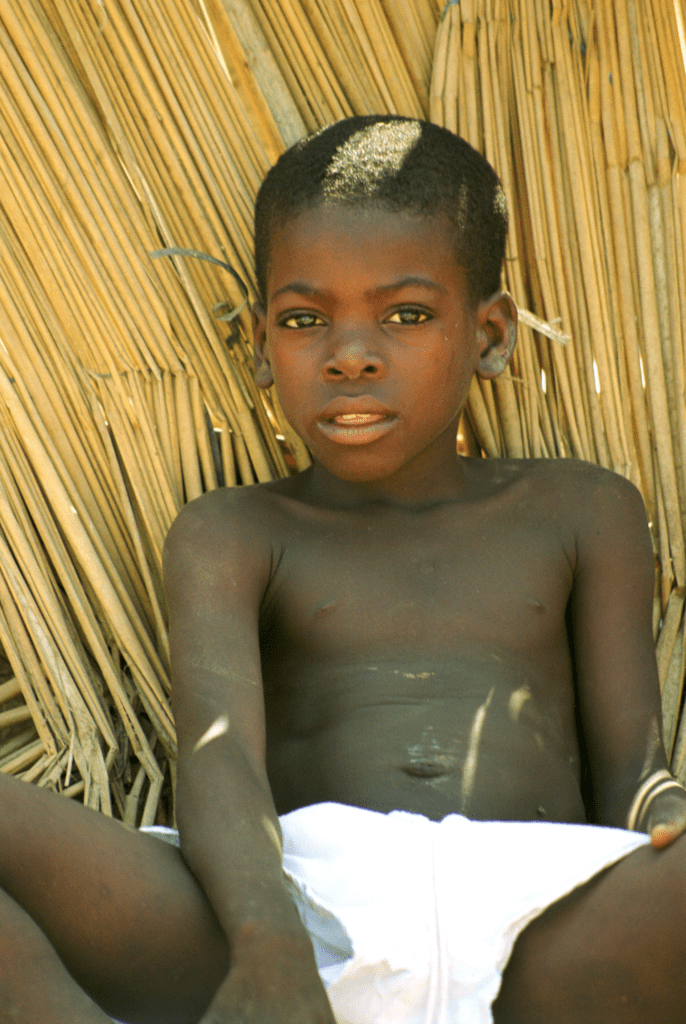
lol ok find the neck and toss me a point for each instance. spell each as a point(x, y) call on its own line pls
point(415, 486)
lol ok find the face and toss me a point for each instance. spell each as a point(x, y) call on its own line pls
point(370, 338)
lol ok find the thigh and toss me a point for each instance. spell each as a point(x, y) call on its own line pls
point(611, 952)
point(120, 907)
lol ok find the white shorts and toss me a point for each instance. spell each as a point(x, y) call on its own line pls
point(412, 920)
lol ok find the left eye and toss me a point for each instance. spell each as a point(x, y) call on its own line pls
point(408, 316)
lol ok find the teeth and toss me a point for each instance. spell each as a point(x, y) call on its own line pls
point(358, 417)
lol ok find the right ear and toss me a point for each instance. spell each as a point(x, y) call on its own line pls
point(264, 377)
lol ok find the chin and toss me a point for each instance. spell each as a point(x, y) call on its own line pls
point(365, 472)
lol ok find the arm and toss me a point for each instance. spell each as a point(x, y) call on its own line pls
point(217, 563)
point(617, 681)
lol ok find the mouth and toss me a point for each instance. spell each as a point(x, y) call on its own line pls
point(357, 419)
point(357, 428)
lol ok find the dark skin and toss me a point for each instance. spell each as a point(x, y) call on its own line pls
point(388, 629)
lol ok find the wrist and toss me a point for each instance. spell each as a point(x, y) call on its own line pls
point(657, 783)
point(261, 942)
point(269, 917)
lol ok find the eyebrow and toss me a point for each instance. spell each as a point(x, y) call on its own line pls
point(302, 288)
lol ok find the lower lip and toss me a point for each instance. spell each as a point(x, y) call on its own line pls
point(363, 433)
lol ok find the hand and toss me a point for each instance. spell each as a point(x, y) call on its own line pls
point(271, 984)
point(666, 819)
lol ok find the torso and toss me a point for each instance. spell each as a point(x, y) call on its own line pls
point(419, 660)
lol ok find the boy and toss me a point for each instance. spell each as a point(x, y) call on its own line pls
point(382, 663)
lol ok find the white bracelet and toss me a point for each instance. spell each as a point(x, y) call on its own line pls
point(654, 784)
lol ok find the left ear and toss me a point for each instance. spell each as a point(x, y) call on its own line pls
point(496, 334)
point(263, 371)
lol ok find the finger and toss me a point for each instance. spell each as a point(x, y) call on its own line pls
point(664, 833)
point(667, 817)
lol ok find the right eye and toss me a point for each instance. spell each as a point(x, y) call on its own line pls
point(299, 321)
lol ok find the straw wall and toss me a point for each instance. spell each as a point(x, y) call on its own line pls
point(126, 127)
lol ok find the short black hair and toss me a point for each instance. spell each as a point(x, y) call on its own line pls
point(398, 164)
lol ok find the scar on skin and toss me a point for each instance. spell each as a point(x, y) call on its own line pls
point(217, 729)
point(325, 609)
point(518, 699)
point(405, 675)
point(470, 763)
point(218, 669)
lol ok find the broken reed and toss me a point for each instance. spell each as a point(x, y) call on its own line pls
point(126, 128)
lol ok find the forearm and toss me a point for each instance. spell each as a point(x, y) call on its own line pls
point(231, 841)
point(645, 799)
point(615, 799)
point(619, 774)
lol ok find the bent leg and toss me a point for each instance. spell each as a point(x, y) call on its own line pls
point(34, 984)
point(611, 952)
point(120, 908)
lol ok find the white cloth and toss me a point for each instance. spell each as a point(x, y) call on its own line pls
point(413, 921)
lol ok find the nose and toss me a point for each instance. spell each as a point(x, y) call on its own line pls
point(351, 357)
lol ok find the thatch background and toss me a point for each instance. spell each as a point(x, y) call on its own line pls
point(129, 126)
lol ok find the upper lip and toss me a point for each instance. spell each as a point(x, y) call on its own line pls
point(346, 406)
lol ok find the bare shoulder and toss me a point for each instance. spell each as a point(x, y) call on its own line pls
point(225, 508)
point(586, 477)
point(581, 492)
point(221, 519)
point(598, 503)
point(543, 472)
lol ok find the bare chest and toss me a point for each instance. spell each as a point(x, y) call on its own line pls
point(438, 586)
point(398, 650)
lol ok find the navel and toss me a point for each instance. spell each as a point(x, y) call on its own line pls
point(425, 769)
point(425, 764)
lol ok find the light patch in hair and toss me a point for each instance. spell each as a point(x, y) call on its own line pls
point(369, 157)
point(460, 216)
point(217, 729)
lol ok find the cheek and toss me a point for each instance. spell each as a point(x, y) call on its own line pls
point(440, 372)
point(281, 364)
point(444, 379)
point(290, 384)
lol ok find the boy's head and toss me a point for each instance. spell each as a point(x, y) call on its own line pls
point(395, 164)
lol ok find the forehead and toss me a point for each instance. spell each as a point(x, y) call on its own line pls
point(342, 247)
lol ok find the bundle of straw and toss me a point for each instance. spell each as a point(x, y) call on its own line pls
point(128, 128)
point(581, 109)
